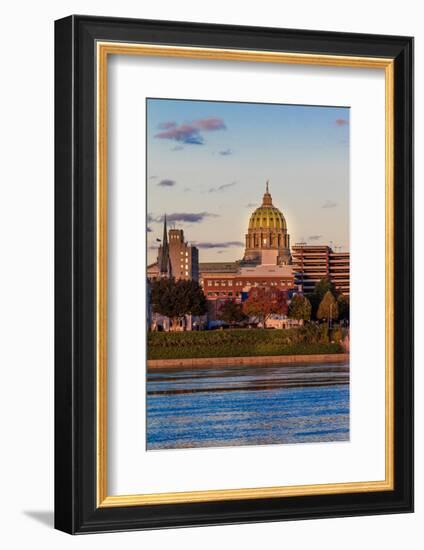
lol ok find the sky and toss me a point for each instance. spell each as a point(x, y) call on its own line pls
point(208, 163)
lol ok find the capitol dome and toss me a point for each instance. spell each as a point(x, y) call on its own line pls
point(267, 217)
point(267, 234)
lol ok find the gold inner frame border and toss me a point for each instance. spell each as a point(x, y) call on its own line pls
point(103, 50)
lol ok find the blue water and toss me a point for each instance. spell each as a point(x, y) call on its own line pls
point(248, 405)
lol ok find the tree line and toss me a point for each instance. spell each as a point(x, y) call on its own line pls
point(177, 298)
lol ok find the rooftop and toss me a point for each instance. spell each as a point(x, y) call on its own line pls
point(218, 267)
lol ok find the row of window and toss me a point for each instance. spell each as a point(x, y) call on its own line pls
point(223, 294)
point(246, 283)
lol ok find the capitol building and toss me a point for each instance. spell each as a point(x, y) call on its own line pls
point(268, 261)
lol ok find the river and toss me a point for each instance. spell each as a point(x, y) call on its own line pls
point(247, 405)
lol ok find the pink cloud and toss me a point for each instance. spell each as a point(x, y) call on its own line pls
point(190, 132)
point(167, 125)
point(342, 122)
point(209, 124)
point(186, 133)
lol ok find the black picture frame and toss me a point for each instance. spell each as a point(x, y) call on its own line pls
point(76, 510)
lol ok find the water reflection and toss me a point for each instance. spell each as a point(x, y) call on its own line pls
point(248, 405)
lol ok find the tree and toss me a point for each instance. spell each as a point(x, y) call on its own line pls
point(231, 313)
point(300, 308)
point(321, 288)
point(344, 307)
point(328, 308)
point(175, 299)
point(264, 302)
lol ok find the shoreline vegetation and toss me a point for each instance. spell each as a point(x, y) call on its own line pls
point(310, 340)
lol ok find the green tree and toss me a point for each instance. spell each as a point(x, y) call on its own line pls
point(320, 290)
point(328, 308)
point(230, 312)
point(323, 286)
point(344, 307)
point(264, 302)
point(300, 308)
point(175, 299)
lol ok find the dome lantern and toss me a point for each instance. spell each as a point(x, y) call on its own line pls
point(267, 199)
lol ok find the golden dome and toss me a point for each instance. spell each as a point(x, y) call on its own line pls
point(267, 216)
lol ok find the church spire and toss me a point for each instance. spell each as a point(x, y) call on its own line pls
point(165, 232)
point(164, 263)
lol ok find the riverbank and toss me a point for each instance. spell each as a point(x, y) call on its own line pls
point(308, 340)
point(265, 360)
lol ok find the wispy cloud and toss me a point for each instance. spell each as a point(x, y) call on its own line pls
point(167, 125)
point(153, 177)
point(222, 187)
point(190, 133)
point(210, 124)
point(251, 205)
point(186, 217)
point(329, 204)
point(177, 148)
point(225, 244)
point(342, 122)
point(315, 237)
point(167, 183)
point(226, 152)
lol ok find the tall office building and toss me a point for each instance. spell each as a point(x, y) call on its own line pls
point(311, 263)
point(176, 258)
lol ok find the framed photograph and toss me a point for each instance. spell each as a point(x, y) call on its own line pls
point(234, 274)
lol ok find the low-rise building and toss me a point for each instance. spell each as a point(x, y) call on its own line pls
point(231, 280)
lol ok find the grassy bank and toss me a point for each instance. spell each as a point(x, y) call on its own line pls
point(236, 343)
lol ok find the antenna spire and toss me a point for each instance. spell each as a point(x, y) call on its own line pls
point(267, 186)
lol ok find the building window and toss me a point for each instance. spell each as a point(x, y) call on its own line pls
point(230, 283)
